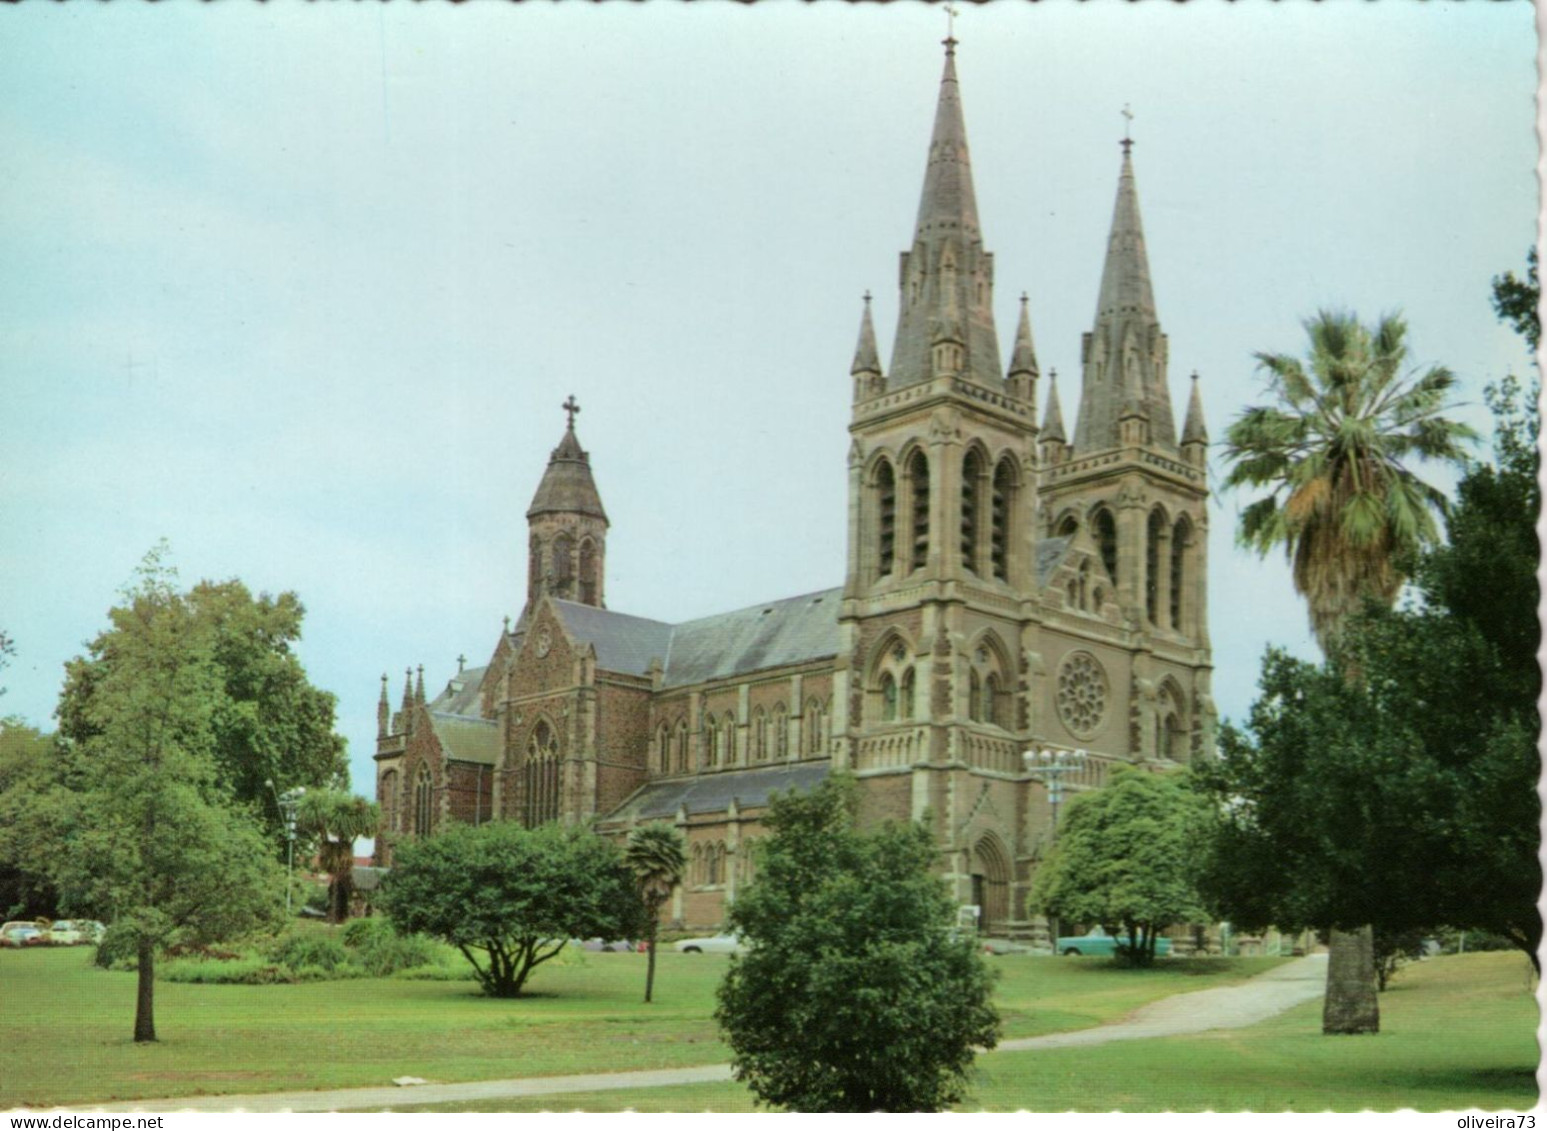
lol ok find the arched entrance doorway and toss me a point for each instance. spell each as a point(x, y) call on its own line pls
point(991, 883)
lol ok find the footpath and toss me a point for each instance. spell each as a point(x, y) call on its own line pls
point(1227, 1007)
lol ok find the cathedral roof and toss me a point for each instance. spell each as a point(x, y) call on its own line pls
point(623, 643)
point(567, 486)
point(461, 696)
point(768, 635)
point(467, 740)
point(713, 793)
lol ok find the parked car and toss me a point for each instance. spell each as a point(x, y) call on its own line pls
point(1102, 945)
point(65, 932)
point(713, 944)
point(607, 945)
point(21, 934)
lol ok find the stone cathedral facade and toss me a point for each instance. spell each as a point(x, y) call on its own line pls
point(1006, 588)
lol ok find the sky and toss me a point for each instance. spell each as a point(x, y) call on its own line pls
point(300, 288)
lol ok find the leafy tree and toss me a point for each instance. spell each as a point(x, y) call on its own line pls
point(7, 650)
point(656, 857)
point(146, 834)
point(30, 763)
point(1124, 859)
point(854, 994)
point(1346, 508)
point(268, 721)
point(510, 894)
point(337, 819)
point(1515, 301)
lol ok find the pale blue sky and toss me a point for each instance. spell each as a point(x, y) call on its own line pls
point(301, 287)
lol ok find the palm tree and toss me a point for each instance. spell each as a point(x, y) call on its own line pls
point(656, 856)
point(337, 819)
point(1348, 511)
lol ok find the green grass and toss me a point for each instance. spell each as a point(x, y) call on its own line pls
point(66, 1026)
point(1456, 1033)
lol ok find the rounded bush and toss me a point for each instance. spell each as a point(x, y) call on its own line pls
point(309, 949)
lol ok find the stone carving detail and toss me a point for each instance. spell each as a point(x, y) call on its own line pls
point(944, 425)
point(1082, 693)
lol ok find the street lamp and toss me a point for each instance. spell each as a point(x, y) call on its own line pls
point(289, 803)
point(1049, 767)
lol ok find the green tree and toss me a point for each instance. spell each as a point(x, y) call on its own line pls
point(1342, 501)
point(7, 650)
point(146, 835)
point(1515, 301)
point(511, 895)
point(1124, 859)
point(656, 857)
point(335, 820)
point(268, 721)
point(30, 764)
point(854, 994)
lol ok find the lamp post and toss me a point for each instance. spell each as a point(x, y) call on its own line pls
point(289, 803)
point(1050, 767)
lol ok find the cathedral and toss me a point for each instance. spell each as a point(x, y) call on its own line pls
point(1007, 588)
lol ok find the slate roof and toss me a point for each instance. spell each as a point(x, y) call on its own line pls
point(712, 792)
point(1050, 552)
point(567, 486)
point(623, 643)
point(467, 739)
point(767, 635)
point(462, 693)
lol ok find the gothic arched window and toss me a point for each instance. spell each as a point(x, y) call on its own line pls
point(781, 732)
point(563, 567)
point(1104, 526)
point(991, 699)
point(423, 789)
point(587, 572)
point(1155, 533)
point(816, 727)
point(711, 743)
point(886, 518)
point(728, 739)
point(1001, 508)
point(1181, 534)
point(888, 697)
point(974, 695)
point(918, 481)
point(972, 482)
point(542, 776)
point(759, 736)
point(682, 747)
point(663, 749)
point(905, 695)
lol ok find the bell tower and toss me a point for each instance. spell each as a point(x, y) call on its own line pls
point(566, 526)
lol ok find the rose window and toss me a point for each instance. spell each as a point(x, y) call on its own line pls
point(1082, 693)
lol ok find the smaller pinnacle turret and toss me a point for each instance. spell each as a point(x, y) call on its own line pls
point(867, 358)
point(1023, 362)
point(419, 688)
point(408, 690)
point(1053, 422)
point(1193, 429)
point(383, 710)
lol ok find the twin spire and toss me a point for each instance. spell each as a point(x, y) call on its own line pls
point(945, 324)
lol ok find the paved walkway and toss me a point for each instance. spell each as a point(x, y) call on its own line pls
point(1228, 1007)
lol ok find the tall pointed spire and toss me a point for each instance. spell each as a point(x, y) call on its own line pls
point(1193, 429)
point(1125, 356)
point(947, 279)
point(383, 711)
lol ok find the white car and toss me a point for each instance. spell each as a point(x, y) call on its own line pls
point(713, 944)
point(65, 932)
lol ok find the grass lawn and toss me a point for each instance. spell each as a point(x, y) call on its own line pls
point(66, 1025)
point(1456, 1032)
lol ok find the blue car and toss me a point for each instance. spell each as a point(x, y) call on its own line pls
point(1102, 945)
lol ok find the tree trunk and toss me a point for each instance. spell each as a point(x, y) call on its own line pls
point(145, 999)
point(655, 927)
point(1350, 1005)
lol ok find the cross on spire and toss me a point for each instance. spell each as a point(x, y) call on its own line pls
point(1127, 121)
point(950, 28)
point(571, 406)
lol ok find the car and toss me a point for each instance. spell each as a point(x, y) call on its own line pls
point(712, 944)
point(21, 934)
point(1100, 944)
point(65, 932)
point(606, 945)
